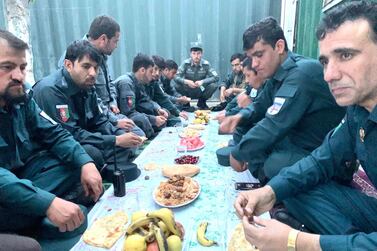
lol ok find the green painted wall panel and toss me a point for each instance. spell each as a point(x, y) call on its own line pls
point(163, 27)
point(309, 13)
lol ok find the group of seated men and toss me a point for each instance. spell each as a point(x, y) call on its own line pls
point(64, 134)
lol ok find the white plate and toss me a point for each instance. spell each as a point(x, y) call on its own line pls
point(179, 205)
point(197, 148)
point(183, 136)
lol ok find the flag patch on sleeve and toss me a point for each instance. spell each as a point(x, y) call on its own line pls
point(276, 106)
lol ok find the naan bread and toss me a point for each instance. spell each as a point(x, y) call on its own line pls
point(150, 166)
point(238, 241)
point(106, 231)
point(187, 170)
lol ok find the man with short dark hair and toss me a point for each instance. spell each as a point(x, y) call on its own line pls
point(233, 84)
point(68, 96)
point(134, 100)
point(340, 217)
point(104, 34)
point(39, 160)
point(168, 84)
point(283, 119)
point(196, 78)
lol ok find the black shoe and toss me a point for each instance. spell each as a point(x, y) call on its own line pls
point(188, 108)
point(202, 104)
point(219, 107)
point(283, 216)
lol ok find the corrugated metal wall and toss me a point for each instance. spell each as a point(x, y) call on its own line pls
point(2, 15)
point(309, 13)
point(163, 27)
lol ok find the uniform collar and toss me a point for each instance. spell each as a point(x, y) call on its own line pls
point(361, 114)
point(289, 63)
point(192, 62)
point(68, 84)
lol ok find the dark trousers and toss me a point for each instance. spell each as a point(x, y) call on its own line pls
point(11, 242)
point(334, 209)
point(46, 172)
point(196, 93)
point(142, 121)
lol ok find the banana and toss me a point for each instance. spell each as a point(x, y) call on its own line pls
point(167, 216)
point(200, 235)
point(160, 238)
point(141, 222)
point(163, 227)
point(148, 235)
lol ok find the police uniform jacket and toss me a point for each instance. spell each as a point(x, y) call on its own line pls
point(156, 93)
point(232, 107)
point(132, 97)
point(202, 71)
point(76, 109)
point(106, 91)
point(295, 103)
point(169, 89)
point(25, 130)
point(234, 80)
point(355, 136)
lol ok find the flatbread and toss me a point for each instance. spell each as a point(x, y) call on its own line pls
point(187, 170)
point(196, 126)
point(106, 230)
point(238, 241)
point(151, 166)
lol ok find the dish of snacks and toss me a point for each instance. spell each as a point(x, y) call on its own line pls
point(187, 159)
point(193, 144)
point(189, 133)
point(177, 191)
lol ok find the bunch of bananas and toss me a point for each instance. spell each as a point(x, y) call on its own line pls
point(201, 235)
point(201, 117)
point(154, 229)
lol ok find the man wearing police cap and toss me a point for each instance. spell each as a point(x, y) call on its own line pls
point(196, 78)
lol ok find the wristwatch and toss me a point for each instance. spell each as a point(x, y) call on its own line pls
point(292, 237)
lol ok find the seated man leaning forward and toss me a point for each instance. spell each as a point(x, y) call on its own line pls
point(340, 217)
point(134, 100)
point(68, 96)
point(293, 113)
point(39, 160)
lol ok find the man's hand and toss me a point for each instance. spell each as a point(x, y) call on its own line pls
point(228, 92)
point(184, 115)
point(254, 202)
point(230, 123)
point(199, 83)
point(190, 83)
point(269, 235)
point(91, 181)
point(243, 100)
point(163, 113)
point(127, 124)
point(222, 94)
point(160, 121)
point(66, 215)
point(114, 109)
point(128, 139)
point(220, 116)
point(183, 100)
point(238, 166)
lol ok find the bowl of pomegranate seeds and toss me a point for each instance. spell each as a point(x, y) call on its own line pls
point(187, 159)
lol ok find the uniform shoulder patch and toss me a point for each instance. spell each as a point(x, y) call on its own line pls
point(44, 115)
point(63, 112)
point(253, 93)
point(276, 106)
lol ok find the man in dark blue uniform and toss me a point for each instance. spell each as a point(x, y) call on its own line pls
point(134, 100)
point(168, 84)
point(292, 114)
point(341, 217)
point(196, 78)
point(68, 96)
point(39, 160)
point(104, 34)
